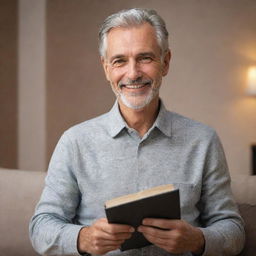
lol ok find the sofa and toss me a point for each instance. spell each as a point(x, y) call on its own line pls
point(20, 191)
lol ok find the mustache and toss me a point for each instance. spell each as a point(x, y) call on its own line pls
point(135, 82)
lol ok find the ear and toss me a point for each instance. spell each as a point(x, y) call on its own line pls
point(105, 67)
point(166, 62)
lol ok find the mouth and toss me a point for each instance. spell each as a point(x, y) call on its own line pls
point(135, 85)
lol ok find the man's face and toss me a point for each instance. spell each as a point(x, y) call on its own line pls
point(133, 65)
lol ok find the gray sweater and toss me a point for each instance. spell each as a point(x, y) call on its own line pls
point(103, 158)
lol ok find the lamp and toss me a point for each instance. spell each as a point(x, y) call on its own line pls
point(251, 90)
point(251, 81)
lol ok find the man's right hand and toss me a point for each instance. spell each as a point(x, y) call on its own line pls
point(102, 237)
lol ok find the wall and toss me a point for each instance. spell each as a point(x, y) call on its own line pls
point(76, 86)
point(61, 81)
point(212, 42)
point(8, 83)
point(32, 87)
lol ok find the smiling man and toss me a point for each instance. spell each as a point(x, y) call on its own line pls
point(135, 146)
point(134, 64)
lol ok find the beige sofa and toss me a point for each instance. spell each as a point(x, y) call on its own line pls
point(20, 190)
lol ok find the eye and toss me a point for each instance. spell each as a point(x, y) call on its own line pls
point(118, 62)
point(145, 59)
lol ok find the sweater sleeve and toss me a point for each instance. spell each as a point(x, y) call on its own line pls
point(222, 225)
point(52, 228)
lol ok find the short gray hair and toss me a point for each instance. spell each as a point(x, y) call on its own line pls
point(130, 18)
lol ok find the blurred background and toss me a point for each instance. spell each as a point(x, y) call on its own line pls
point(51, 76)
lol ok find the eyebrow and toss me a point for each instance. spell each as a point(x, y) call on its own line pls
point(118, 56)
point(151, 54)
point(142, 54)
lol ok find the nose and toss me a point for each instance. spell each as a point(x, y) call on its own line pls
point(133, 70)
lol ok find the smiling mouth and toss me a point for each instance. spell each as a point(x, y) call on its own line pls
point(135, 85)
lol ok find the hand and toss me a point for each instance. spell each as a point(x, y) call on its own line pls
point(102, 237)
point(178, 236)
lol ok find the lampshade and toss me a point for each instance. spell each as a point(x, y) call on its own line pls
point(251, 81)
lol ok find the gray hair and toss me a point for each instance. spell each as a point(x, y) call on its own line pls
point(130, 18)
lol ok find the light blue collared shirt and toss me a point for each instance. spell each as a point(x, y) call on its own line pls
point(103, 158)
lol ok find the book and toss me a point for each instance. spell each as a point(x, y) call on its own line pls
point(158, 202)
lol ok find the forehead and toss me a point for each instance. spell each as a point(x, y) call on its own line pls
point(131, 40)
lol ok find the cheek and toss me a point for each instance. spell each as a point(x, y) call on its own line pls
point(154, 72)
point(115, 76)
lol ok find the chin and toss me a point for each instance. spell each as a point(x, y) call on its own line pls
point(136, 103)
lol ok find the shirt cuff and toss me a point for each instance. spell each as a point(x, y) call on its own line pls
point(71, 233)
point(213, 242)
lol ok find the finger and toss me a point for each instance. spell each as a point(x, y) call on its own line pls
point(106, 242)
point(156, 240)
point(168, 245)
point(155, 232)
point(119, 228)
point(115, 228)
point(162, 223)
point(116, 237)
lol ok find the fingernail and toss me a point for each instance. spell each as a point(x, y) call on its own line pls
point(132, 230)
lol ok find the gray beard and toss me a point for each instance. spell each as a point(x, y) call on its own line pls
point(135, 105)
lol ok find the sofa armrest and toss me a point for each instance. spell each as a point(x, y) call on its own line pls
point(248, 213)
point(19, 192)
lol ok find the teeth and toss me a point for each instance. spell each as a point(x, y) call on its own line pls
point(134, 86)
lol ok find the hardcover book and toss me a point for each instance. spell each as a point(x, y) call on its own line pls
point(158, 202)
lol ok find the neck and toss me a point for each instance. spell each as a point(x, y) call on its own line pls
point(142, 119)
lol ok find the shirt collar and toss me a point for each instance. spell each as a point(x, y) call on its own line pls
point(117, 123)
point(164, 120)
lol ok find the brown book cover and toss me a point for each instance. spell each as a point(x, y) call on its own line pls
point(159, 202)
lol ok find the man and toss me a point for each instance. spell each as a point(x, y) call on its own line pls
point(137, 145)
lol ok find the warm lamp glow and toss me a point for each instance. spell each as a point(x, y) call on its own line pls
point(251, 89)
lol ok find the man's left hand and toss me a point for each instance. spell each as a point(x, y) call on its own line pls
point(175, 236)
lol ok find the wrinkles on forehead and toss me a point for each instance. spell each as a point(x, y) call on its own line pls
point(139, 40)
point(127, 28)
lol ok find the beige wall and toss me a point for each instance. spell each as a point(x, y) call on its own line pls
point(8, 83)
point(76, 87)
point(212, 42)
point(32, 87)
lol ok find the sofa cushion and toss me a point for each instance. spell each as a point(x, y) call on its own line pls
point(248, 213)
point(19, 193)
point(244, 189)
